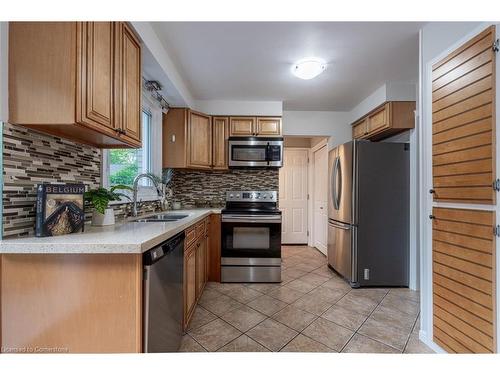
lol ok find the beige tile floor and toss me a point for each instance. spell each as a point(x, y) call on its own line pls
point(312, 310)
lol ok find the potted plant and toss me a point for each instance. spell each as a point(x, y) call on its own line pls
point(100, 198)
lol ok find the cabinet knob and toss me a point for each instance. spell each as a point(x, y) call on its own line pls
point(432, 191)
point(432, 217)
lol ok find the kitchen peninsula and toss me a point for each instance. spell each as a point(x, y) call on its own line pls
point(82, 293)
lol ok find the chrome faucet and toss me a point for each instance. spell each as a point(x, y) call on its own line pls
point(153, 178)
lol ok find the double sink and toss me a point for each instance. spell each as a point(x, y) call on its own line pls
point(161, 218)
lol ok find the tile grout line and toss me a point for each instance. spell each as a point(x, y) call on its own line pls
point(364, 321)
point(411, 332)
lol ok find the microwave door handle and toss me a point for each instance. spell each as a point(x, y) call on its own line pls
point(268, 153)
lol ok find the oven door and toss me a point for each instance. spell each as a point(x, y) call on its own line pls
point(255, 153)
point(251, 240)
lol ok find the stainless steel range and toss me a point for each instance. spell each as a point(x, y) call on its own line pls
point(251, 237)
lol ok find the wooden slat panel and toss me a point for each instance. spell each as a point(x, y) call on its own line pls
point(455, 108)
point(451, 345)
point(472, 332)
point(467, 67)
point(463, 119)
point(475, 153)
point(463, 143)
point(462, 94)
point(463, 279)
point(463, 180)
point(464, 241)
point(481, 324)
point(474, 47)
point(446, 221)
point(463, 253)
point(464, 266)
point(464, 81)
point(469, 343)
point(462, 195)
point(478, 217)
point(466, 167)
point(475, 127)
point(472, 294)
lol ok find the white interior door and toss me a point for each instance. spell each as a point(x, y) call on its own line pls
point(293, 196)
point(320, 196)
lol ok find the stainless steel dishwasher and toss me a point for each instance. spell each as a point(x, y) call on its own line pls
point(163, 296)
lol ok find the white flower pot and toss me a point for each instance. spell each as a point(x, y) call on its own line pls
point(99, 219)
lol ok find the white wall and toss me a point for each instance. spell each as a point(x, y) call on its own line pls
point(318, 123)
point(436, 41)
point(389, 91)
point(4, 52)
point(239, 107)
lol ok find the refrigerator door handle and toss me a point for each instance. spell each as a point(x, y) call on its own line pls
point(339, 193)
point(335, 199)
point(339, 225)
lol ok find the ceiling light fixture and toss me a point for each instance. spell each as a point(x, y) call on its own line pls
point(308, 68)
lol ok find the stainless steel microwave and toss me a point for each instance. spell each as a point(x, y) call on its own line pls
point(255, 152)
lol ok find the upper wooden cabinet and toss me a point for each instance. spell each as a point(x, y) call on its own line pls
point(187, 139)
point(242, 126)
point(255, 126)
point(77, 80)
point(199, 135)
point(384, 121)
point(268, 126)
point(220, 132)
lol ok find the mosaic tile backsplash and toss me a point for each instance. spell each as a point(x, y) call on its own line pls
point(208, 188)
point(31, 157)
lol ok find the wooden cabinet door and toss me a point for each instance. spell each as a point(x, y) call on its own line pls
point(189, 283)
point(379, 120)
point(268, 126)
point(242, 126)
point(201, 265)
point(360, 129)
point(97, 75)
point(199, 141)
point(128, 82)
point(220, 127)
point(463, 123)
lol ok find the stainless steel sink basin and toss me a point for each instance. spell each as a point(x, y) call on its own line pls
point(161, 217)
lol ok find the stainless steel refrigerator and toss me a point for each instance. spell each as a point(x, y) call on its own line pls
point(368, 213)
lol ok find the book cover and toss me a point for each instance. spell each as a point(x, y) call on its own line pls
point(59, 209)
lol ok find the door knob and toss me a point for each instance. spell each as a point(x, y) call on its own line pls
point(321, 208)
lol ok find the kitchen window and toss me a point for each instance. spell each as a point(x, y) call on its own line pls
point(121, 166)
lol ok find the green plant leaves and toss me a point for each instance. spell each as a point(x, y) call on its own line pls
point(101, 197)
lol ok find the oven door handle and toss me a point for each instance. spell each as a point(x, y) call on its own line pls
point(274, 219)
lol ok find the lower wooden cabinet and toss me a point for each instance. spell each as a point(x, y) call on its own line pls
point(189, 283)
point(196, 255)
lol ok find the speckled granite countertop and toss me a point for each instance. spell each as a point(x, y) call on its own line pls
point(125, 237)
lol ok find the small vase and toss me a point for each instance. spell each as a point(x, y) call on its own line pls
point(108, 218)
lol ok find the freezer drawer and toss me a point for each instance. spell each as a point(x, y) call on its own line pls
point(340, 249)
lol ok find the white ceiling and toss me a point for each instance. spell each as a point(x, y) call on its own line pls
point(252, 60)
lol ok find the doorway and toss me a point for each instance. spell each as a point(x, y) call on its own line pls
point(293, 194)
point(319, 179)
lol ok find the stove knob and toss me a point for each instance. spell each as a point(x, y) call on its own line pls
point(231, 195)
point(264, 196)
point(258, 195)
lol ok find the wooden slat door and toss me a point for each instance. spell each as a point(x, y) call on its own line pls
point(463, 97)
point(463, 169)
point(463, 279)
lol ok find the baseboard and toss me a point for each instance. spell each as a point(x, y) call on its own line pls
point(422, 335)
